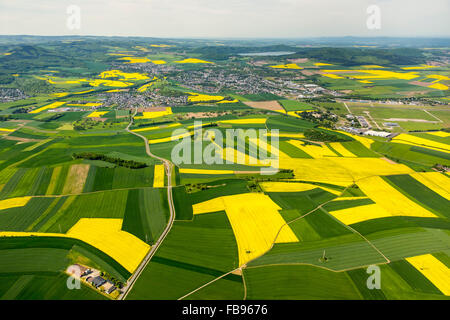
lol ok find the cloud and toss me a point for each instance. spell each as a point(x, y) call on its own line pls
point(227, 18)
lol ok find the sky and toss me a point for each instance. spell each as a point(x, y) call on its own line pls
point(227, 18)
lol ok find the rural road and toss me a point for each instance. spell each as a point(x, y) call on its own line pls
point(168, 167)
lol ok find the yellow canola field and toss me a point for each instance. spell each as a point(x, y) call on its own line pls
point(97, 114)
point(169, 139)
point(390, 199)
point(269, 149)
point(313, 150)
point(441, 134)
point(60, 94)
point(255, 220)
point(287, 66)
point(435, 181)
point(193, 60)
point(6, 130)
point(109, 83)
point(332, 76)
point(158, 61)
point(53, 105)
point(162, 45)
point(438, 86)
point(358, 214)
point(14, 203)
point(434, 270)
point(287, 135)
point(123, 75)
point(293, 187)
point(135, 60)
point(155, 114)
point(321, 64)
point(294, 114)
point(342, 150)
point(421, 142)
point(104, 234)
point(438, 77)
point(90, 104)
point(341, 171)
point(205, 171)
point(422, 67)
point(244, 121)
point(198, 97)
point(107, 236)
point(365, 81)
point(145, 87)
point(158, 180)
point(378, 74)
point(228, 101)
point(157, 127)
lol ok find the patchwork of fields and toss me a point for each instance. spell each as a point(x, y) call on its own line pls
point(293, 204)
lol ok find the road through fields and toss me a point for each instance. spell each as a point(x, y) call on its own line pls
point(168, 167)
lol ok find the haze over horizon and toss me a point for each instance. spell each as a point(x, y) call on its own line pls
point(226, 19)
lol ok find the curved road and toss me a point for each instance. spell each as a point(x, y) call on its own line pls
point(168, 167)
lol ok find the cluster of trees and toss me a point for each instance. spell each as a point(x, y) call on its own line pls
point(131, 164)
point(53, 117)
point(4, 117)
point(316, 135)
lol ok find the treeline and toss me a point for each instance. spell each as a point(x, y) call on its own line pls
point(131, 164)
point(322, 136)
point(358, 56)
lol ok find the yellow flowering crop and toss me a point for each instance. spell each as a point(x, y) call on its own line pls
point(14, 203)
point(287, 66)
point(155, 114)
point(438, 86)
point(421, 67)
point(321, 64)
point(359, 214)
point(49, 106)
point(436, 181)
point(438, 77)
point(332, 76)
point(390, 199)
point(169, 139)
point(89, 104)
point(434, 270)
point(158, 177)
point(193, 60)
point(440, 134)
point(157, 127)
point(97, 114)
point(341, 149)
point(123, 75)
point(135, 60)
point(145, 87)
point(6, 130)
point(245, 121)
point(255, 220)
point(205, 171)
point(197, 97)
point(105, 235)
point(341, 171)
point(313, 150)
point(421, 142)
point(109, 83)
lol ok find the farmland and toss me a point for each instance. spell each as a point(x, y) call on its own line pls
point(196, 171)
